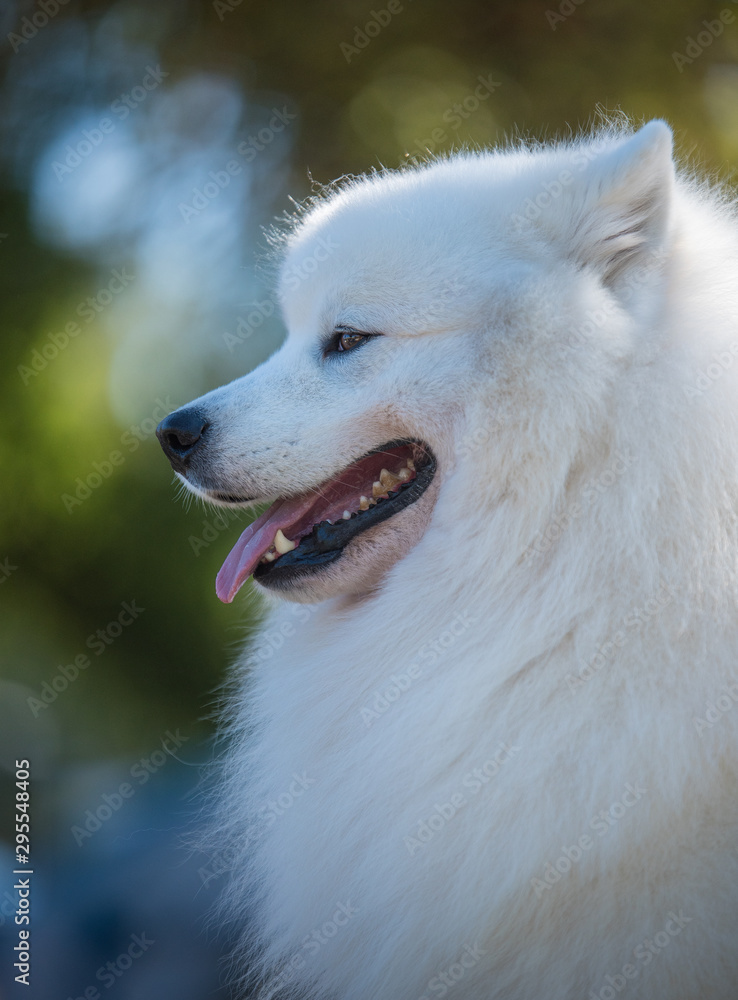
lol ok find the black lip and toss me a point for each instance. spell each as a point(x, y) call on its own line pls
point(326, 541)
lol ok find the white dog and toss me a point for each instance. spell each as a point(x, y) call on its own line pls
point(497, 757)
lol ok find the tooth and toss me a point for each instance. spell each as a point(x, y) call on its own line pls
point(403, 475)
point(363, 503)
point(411, 465)
point(282, 544)
point(388, 479)
point(346, 515)
point(270, 556)
point(378, 489)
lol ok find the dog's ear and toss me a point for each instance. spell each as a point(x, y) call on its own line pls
point(622, 201)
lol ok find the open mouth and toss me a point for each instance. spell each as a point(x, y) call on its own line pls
point(302, 533)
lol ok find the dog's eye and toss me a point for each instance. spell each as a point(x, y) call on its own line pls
point(344, 340)
point(349, 340)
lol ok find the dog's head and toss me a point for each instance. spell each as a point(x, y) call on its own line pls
point(421, 306)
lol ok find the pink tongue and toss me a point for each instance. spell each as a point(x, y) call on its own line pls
point(256, 540)
point(297, 516)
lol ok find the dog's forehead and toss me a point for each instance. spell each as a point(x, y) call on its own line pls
point(393, 238)
point(369, 225)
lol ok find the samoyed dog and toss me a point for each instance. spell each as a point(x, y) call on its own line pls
point(486, 743)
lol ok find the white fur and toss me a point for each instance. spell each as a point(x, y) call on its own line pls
point(545, 359)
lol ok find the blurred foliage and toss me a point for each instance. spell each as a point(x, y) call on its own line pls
point(409, 88)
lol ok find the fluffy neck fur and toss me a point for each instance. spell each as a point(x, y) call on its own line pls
point(534, 563)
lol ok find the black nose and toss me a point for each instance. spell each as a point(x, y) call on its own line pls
point(180, 434)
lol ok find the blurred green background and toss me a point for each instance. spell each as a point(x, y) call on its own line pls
point(132, 263)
